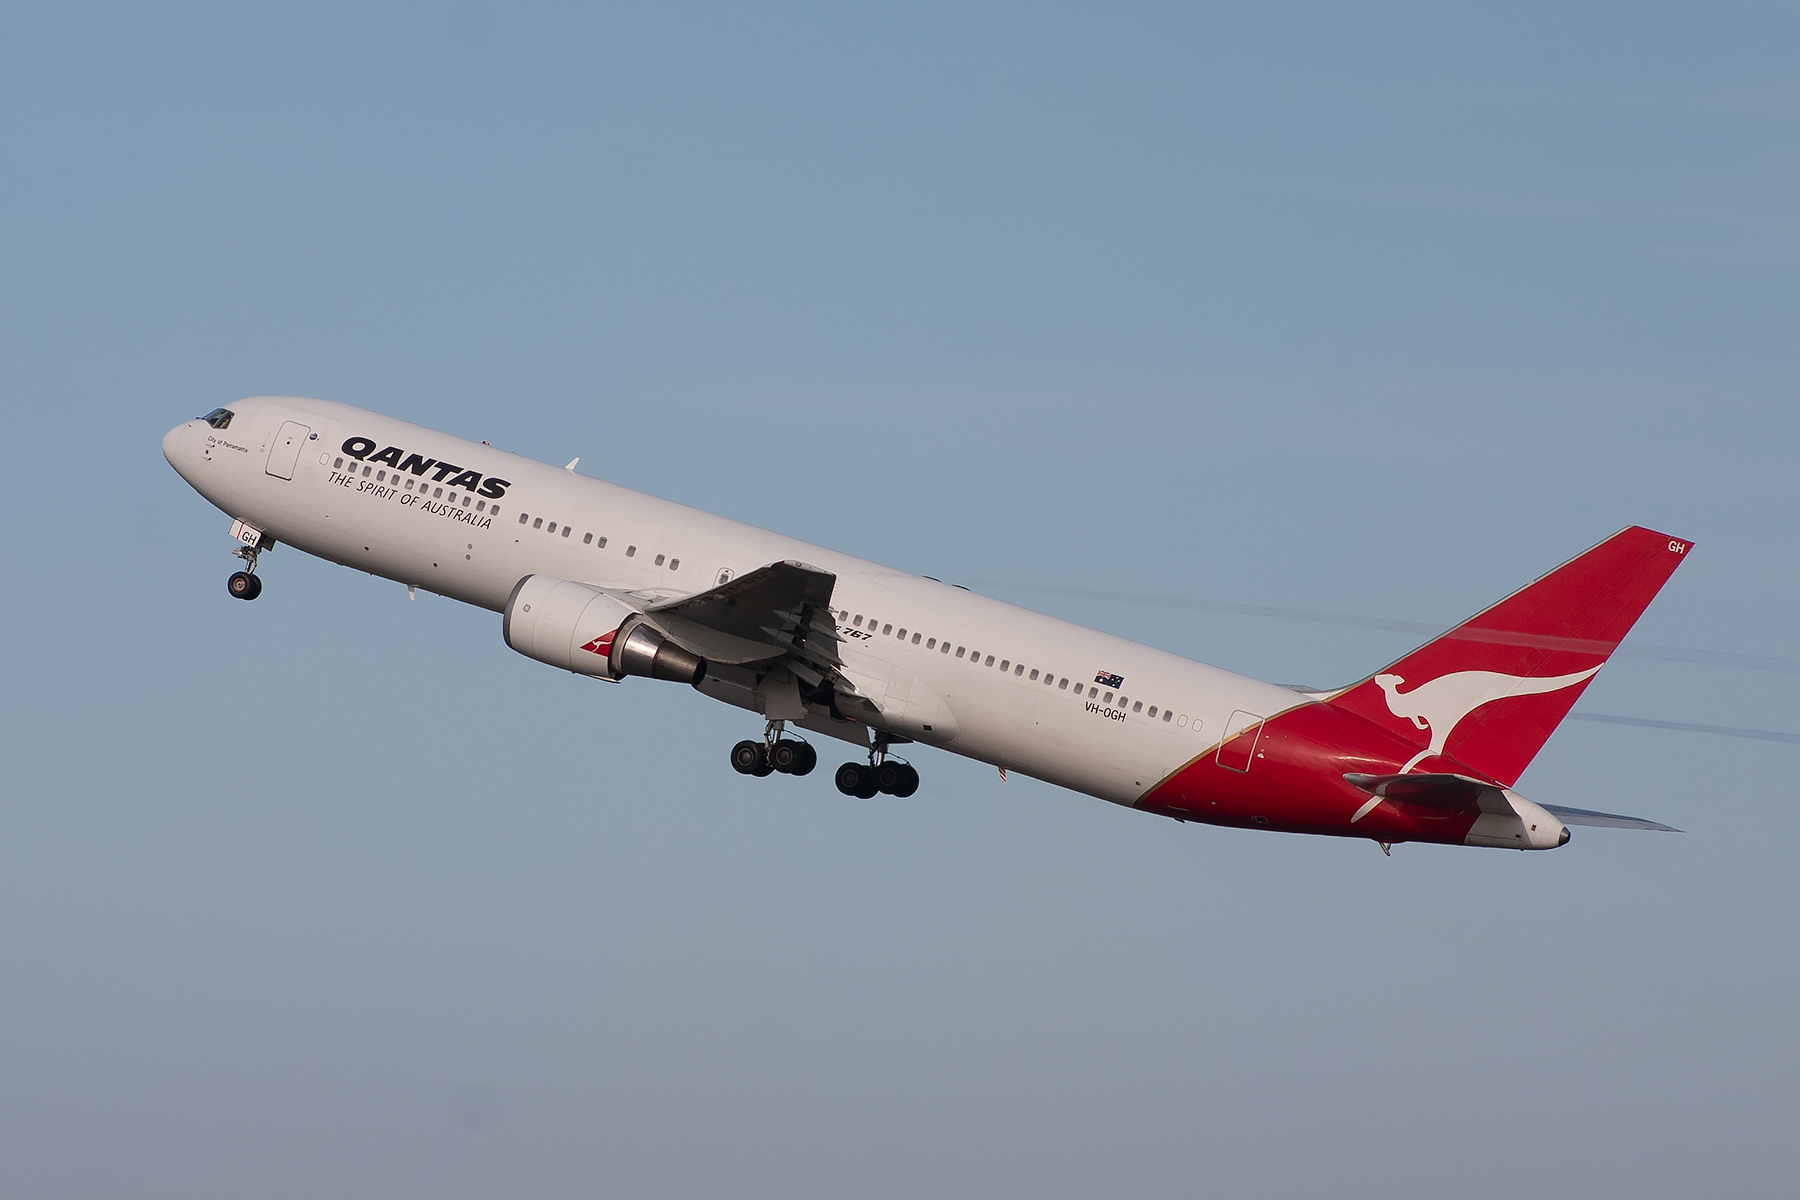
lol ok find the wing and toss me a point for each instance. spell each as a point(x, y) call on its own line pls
point(778, 611)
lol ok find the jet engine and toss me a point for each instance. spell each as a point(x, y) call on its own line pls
point(580, 629)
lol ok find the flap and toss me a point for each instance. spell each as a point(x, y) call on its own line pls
point(768, 613)
point(1457, 793)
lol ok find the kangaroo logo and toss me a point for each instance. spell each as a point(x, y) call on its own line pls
point(1441, 704)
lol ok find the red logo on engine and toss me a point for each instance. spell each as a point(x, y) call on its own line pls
point(601, 645)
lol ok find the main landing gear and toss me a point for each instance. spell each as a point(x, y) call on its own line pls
point(773, 753)
point(883, 774)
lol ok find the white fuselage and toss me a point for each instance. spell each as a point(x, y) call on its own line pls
point(981, 662)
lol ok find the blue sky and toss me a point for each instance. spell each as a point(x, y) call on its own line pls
point(1381, 311)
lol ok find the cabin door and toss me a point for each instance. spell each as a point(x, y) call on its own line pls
point(286, 450)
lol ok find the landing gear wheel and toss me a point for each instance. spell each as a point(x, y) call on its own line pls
point(749, 758)
point(888, 776)
point(244, 585)
point(809, 758)
point(788, 756)
point(854, 779)
point(909, 781)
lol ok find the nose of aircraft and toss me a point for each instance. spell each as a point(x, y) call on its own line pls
point(174, 442)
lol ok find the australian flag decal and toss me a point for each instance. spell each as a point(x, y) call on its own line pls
point(1106, 679)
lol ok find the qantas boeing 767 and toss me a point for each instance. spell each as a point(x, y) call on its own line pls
point(607, 582)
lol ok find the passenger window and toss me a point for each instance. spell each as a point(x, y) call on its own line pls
point(523, 517)
point(1167, 713)
point(916, 640)
point(601, 543)
point(495, 511)
point(858, 621)
point(944, 648)
point(659, 560)
point(552, 528)
point(538, 524)
point(465, 501)
point(1034, 674)
point(481, 506)
point(990, 661)
point(901, 635)
point(366, 471)
point(409, 485)
point(1140, 707)
point(1181, 721)
point(337, 465)
point(630, 551)
point(674, 564)
point(1065, 683)
point(1019, 670)
point(959, 652)
point(886, 629)
point(381, 477)
point(1005, 665)
point(1153, 710)
point(436, 493)
point(931, 644)
point(587, 539)
point(1108, 698)
point(568, 529)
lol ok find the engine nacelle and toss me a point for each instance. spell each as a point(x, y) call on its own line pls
point(572, 626)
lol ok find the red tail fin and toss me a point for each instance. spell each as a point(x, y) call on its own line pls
point(1488, 694)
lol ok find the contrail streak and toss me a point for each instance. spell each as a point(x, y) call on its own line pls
point(1762, 735)
point(1715, 658)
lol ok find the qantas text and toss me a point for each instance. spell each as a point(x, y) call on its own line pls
point(448, 474)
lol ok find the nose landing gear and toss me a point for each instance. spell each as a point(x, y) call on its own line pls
point(244, 584)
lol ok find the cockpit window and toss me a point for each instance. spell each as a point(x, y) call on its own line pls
point(218, 418)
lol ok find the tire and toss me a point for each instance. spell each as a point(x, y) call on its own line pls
point(888, 777)
point(243, 585)
point(909, 783)
point(255, 587)
point(787, 756)
point(809, 758)
point(746, 757)
point(849, 778)
point(869, 787)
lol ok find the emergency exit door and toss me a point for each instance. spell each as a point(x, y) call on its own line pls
point(286, 450)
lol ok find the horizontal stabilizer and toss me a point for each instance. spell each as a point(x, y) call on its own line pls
point(1582, 816)
point(1457, 793)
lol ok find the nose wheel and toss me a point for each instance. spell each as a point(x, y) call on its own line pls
point(244, 585)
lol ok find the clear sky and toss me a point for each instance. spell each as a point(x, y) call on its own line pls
point(1381, 310)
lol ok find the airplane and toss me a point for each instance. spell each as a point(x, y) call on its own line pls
point(610, 583)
